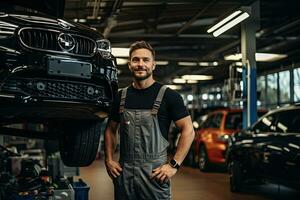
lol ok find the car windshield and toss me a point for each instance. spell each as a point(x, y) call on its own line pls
point(234, 120)
point(289, 121)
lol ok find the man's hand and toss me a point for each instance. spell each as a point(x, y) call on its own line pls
point(113, 168)
point(163, 173)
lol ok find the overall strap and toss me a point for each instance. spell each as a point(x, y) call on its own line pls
point(122, 101)
point(158, 100)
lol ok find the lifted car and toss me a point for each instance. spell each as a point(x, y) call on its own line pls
point(56, 73)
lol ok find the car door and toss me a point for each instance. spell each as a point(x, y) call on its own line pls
point(287, 138)
point(210, 136)
point(265, 148)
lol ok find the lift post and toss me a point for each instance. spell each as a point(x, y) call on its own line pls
point(248, 47)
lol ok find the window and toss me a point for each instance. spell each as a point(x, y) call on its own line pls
point(297, 84)
point(284, 86)
point(216, 123)
point(266, 124)
point(272, 88)
point(234, 121)
point(261, 86)
point(208, 121)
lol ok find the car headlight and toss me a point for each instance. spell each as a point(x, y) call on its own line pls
point(104, 48)
point(223, 138)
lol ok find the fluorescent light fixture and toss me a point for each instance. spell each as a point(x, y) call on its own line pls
point(204, 64)
point(269, 57)
point(122, 61)
point(175, 87)
point(207, 64)
point(224, 21)
point(260, 57)
point(179, 80)
point(82, 20)
point(231, 24)
point(162, 62)
point(197, 77)
point(187, 63)
point(120, 52)
point(192, 81)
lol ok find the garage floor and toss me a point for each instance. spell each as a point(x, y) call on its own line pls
point(188, 184)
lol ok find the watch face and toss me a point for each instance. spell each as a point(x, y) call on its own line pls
point(173, 162)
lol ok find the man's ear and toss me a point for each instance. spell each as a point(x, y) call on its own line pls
point(154, 65)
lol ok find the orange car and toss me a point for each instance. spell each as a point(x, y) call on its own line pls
point(210, 144)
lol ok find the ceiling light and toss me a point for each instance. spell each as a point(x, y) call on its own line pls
point(187, 63)
point(162, 62)
point(192, 81)
point(204, 64)
point(207, 64)
point(215, 63)
point(179, 80)
point(175, 87)
point(82, 20)
point(120, 52)
point(197, 77)
point(229, 22)
point(268, 57)
point(122, 61)
point(223, 21)
point(260, 57)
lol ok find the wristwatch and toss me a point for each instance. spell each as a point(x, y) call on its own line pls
point(174, 164)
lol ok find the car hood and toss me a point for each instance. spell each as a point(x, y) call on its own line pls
point(50, 7)
point(20, 20)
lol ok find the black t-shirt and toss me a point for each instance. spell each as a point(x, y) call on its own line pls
point(171, 109)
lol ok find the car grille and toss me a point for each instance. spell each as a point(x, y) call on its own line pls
point(47, 40)
point(55, 89)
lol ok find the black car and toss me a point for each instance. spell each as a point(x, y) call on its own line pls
point(268, 151)
point(55, 73)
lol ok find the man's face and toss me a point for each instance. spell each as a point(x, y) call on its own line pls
point(141, 64)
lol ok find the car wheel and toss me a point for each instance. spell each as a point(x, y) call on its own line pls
point(190, 158)
point(79, 143)
point(203, 161)
point(235, 176)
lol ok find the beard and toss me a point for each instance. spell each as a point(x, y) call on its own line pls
point(141, 77)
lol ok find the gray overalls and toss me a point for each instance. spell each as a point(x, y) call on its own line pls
point(142, 149)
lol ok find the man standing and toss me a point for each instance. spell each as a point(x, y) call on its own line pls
point(143, 113)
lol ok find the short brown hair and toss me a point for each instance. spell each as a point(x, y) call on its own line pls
point(141, 45)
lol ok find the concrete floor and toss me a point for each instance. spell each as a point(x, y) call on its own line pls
point(188, 184)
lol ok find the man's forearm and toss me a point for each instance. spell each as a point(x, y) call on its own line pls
point(184, 144)
point(186, 138)
point(110, 141)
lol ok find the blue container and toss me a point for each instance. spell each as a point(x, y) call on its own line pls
point(81, 190)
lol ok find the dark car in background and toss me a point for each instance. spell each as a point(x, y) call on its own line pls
point(56, 73)
point(268, 151)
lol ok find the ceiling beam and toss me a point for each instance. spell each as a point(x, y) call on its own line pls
point(195, 17)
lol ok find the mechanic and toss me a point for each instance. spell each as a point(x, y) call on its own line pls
point(143, 112)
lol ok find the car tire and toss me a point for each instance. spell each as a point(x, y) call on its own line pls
point(235, 176)
point(79, 143)
point(190, 158)
point(203, 161)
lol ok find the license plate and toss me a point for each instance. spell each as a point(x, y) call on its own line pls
point(66, 67)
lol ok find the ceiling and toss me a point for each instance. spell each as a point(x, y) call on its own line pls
point(177, 29)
